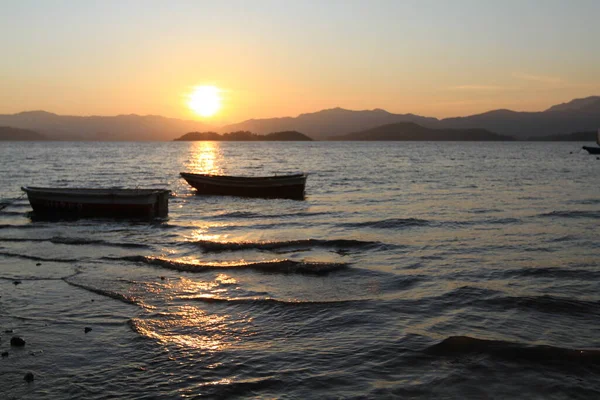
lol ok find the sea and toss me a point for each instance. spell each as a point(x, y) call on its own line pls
point(417, 270)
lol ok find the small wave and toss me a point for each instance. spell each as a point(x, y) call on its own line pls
point(103, 292)
point(572, 214)
point(36, 258)
point(275, 266)
point(75, 241)
point(217, 247)
point(252, 215)
point(270, 301)
point(12, 226)
point(553, 272)
point(548, 304)
point(463, 345)
point(392, 223)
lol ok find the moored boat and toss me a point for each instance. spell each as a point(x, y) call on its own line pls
point(594, 150)
point(277, 186)
point(84, 202)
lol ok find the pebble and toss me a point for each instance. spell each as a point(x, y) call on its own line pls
point(17, 341)
point(87, 329)
point(28, 377)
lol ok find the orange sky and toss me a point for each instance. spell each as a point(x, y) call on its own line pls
point(275, 59)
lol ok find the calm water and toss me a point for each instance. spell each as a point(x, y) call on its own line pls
point(412, 270)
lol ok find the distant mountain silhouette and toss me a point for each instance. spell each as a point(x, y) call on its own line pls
point(244, 136)
point(321, 124)
point(120, 127)
point(10, 133)
point(406, 131)
point(576, 115)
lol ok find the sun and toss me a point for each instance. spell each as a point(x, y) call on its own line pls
point(205, 100)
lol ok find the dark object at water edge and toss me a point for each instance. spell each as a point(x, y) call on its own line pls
point(16, 283)
point(87, 329)
point(28, 377)
point(592, 150)
point(4, 354)
point(17, 341)
point(114, 203)
point(278, 186)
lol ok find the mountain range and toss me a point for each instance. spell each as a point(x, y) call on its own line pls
point(574, 116)
point(120, 127)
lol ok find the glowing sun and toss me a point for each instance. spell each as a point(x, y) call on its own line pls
point(205, 100)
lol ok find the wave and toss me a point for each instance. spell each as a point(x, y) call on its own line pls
point(270, 301)
point(392, 223)
point(36, 258)
point(552, 272)
point(275, 266)
point(548, 304)
point(75, 241)
point(572, 214)
point(217, 247)
point(12, 226)
point(464, 345)
point(104, 292)
point(252, 215)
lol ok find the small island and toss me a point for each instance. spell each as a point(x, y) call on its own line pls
point(245, 136)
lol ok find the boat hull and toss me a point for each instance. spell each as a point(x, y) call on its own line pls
point(285, 187)
point(592, 150)
point(87, 203)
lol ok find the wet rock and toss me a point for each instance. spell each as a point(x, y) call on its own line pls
point(162, 278)
point(17, 341)
point(38, 264)
point(16, 283)
point(92, 300)
point(8, 331)
point(87, 329)
point(4, 354)
point(28, 377)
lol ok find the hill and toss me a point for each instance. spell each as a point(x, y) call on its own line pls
point(245, 136)
point(325, 123)
point(120, 127)
point(406, 131)
point(576, 115)
point(10, 133)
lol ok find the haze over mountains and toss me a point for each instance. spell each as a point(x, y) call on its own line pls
point(120, 127)
point(574, 116)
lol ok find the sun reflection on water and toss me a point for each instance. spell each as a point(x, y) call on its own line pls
point(205, 158)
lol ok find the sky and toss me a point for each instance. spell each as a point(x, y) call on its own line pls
point(282, 58)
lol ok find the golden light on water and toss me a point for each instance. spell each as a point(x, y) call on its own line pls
point(206, 158)
point(205, 100)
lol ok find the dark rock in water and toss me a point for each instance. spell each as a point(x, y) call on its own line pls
point(4, 354)
point(16, 283)
point(92, 300)
point(38, 264)
point(162, 278)
point(87, 329)
point(17, 341)
point(8, 331)
point(28, 377)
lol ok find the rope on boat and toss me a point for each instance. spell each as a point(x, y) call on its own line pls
point(8, 202)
